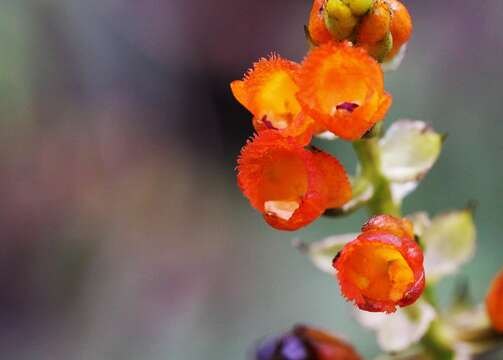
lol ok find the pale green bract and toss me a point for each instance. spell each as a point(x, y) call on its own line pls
point(400, 330)
point(408, 150)
point(322, 252)
point(449, 240)
point(449, 243)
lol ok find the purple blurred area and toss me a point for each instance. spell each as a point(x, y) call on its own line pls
point(123, 233)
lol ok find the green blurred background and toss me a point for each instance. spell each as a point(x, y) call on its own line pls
point(124, 235)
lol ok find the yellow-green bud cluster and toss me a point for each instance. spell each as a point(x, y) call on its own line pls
point(341, 16)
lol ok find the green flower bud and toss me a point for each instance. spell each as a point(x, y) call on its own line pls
point(359, 7)
point(339, 19)
point(383, 48)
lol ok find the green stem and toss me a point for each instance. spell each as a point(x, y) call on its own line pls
point(369, 156)
point(368, 153)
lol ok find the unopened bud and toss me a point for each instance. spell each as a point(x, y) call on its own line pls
point(359, 7)
point(339, 19)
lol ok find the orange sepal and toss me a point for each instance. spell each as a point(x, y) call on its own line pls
point(383, 267)
point(401, 26)
point(317, 28)
point(374, 26)
point(343, 88)
point(494, 302)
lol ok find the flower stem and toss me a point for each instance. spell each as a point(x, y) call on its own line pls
point(369, 156)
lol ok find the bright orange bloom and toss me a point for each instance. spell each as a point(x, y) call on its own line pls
point(401, 26)
point(268, 92)
point(305, 343)
point(290, 185)
point(317, 28)
point(383, 267)
point(343, 88)
point(494, 302)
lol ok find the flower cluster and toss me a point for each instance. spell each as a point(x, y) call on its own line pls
point(338, 89)
point(382, 27)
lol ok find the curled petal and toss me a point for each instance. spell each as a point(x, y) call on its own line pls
point(343, 88)
point(268, 92)
point(494, 302)
point(382, 268)
point(390, 224)
point(287, 183)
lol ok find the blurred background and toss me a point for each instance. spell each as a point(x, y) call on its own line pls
point(123, 233)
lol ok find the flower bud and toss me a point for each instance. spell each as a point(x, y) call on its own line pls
point(359, 7)
point(305, 343)
point(339, 19)
point(494, 302)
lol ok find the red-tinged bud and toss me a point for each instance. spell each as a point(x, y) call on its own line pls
point(305, 343)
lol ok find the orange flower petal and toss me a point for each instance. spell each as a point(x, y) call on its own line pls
point(401, 26)
point(383, 267)
point(317, 28)
point(393, 225)
point(343, 88)
point(494, 302)
point(268, 92)
point(285, 182)
point(337, 185)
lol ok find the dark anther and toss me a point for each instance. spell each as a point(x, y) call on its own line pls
point(336, 257)
point(348, 106)
point(267, 123)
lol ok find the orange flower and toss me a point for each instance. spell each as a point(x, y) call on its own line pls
point(401, 26)
point(343, 88)
point(317, 29)
point(383, 267)
point(289, 185)
point(304, 342)
point(494, 302)
point(268, 92)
